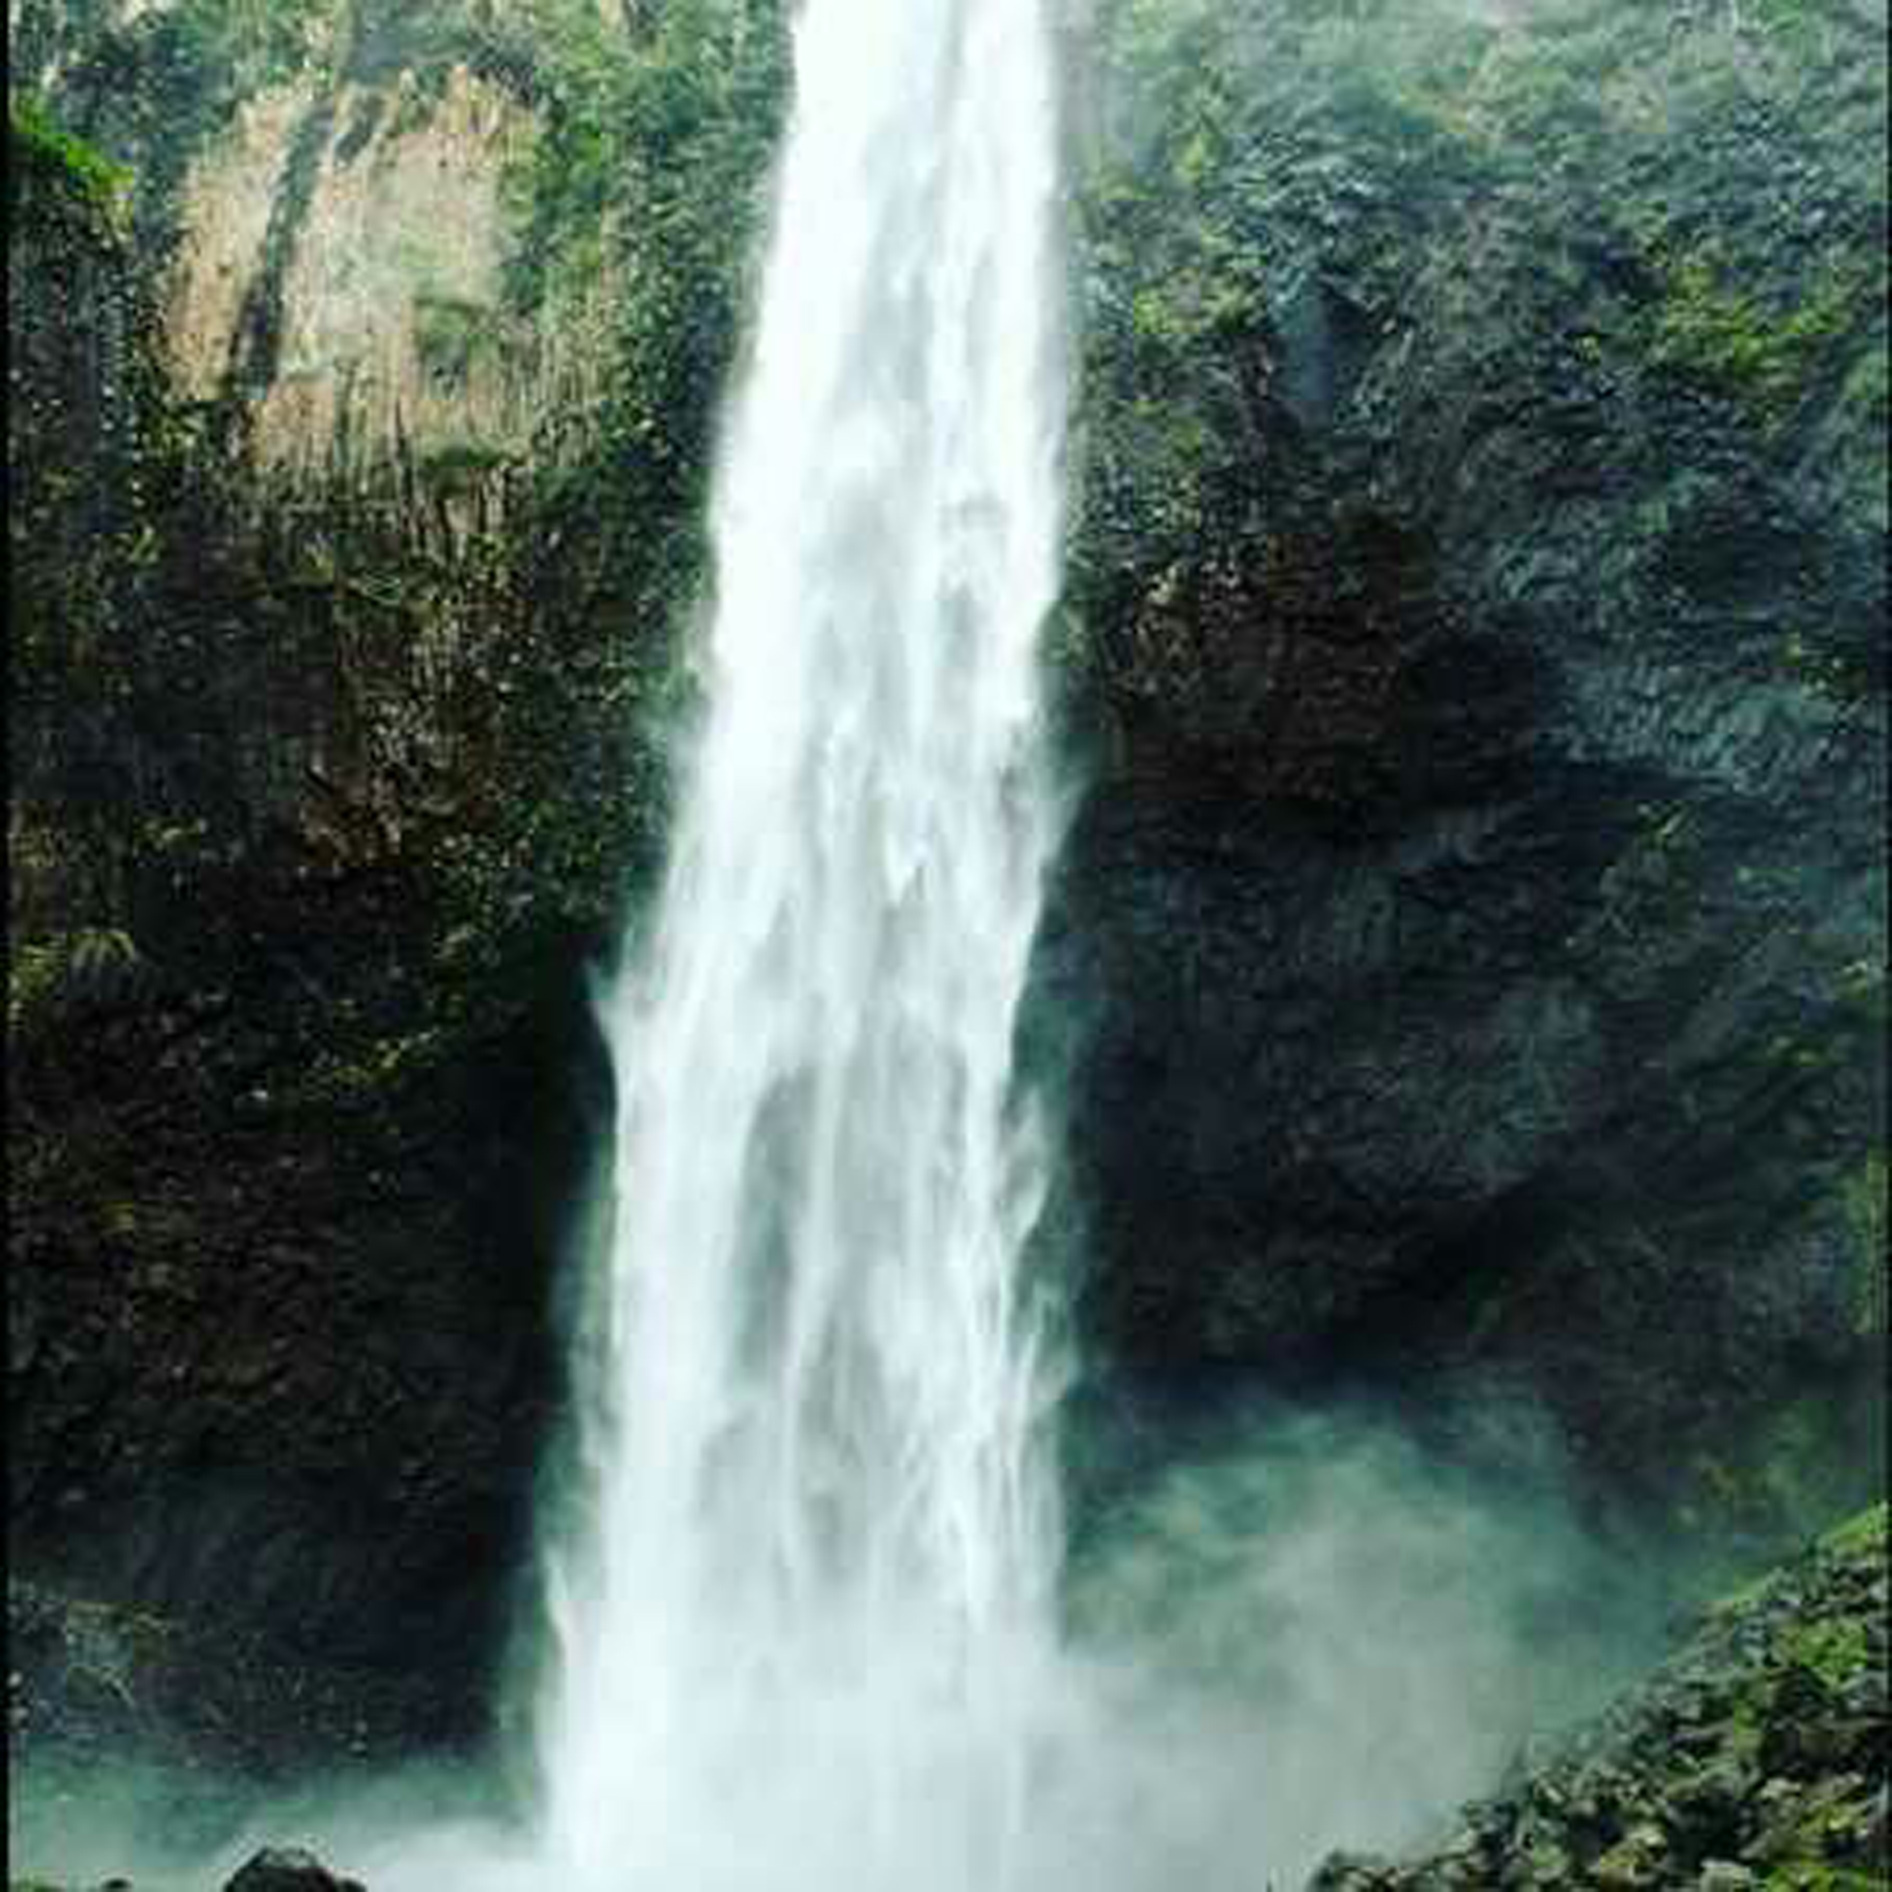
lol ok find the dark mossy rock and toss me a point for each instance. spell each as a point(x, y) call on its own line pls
point(97, 1689)
point(46, 1885)
point(1755, 1757)
point(288, 1869)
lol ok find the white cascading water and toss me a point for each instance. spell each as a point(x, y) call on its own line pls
point(807, 1626)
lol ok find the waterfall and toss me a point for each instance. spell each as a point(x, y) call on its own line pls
point(807, 1623)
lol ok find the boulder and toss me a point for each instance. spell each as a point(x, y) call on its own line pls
point(288, 1869)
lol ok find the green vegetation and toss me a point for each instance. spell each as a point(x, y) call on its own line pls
point(645, 184)
point(1834, 1650)
point(1866, 1207)
point(635, 209)
point(1800, 27)
point(140, 94)
point(48, 978)
point(458, 466)
point(262, 42)
point(1868, 387)
point(1278, 213)
point(1860, 1535)
point(500, 815)
point(374, 1077)
point(452, 334)
point(1727, 342)
point(1817, 1876)
point(45, 159)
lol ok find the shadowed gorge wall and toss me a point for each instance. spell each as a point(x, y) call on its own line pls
point(1476, 916)
point(334, 759)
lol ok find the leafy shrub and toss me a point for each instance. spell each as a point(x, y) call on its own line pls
point(46, 159)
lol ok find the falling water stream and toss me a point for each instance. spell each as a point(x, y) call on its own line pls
point(806, 1628)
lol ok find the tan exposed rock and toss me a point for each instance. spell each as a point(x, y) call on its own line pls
point(226, 205)
point(375, 259)
point(391, 299)
point(393, 322)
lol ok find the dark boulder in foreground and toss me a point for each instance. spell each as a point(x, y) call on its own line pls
point(289, 1869)
point(1756, 1758)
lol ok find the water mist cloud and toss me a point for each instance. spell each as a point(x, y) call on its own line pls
point(1321, 1637)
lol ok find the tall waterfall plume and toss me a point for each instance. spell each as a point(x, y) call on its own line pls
point(806, 1626)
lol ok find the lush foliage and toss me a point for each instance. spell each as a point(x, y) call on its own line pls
point(645, 185)
point(635, 210)
point(1256, 180)
point(43, 156)
point(1722, 339)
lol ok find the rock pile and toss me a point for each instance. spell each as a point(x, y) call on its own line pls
point(1754, 1761)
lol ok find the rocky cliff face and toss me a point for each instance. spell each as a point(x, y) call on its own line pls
point(303, 1088)
point(319, 192)
point(1469, 956)
point(1476, 918)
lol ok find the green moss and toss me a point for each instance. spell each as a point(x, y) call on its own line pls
point(1818, 1876)
point(1865, 1193)
point(451, 335)
point(1795, 24)
point(49, 978)
point(1834, 1650)
point(43, 157)
point(1746, 1725)
point(263, 41)
point(369, 1077)
point(1822, 1845)
point(1728, 342)
point(34, 974)
point(1745, 1595)
point(1859, 1536)
point(459, 465)
point(1868, 389)
point(1844, 676)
